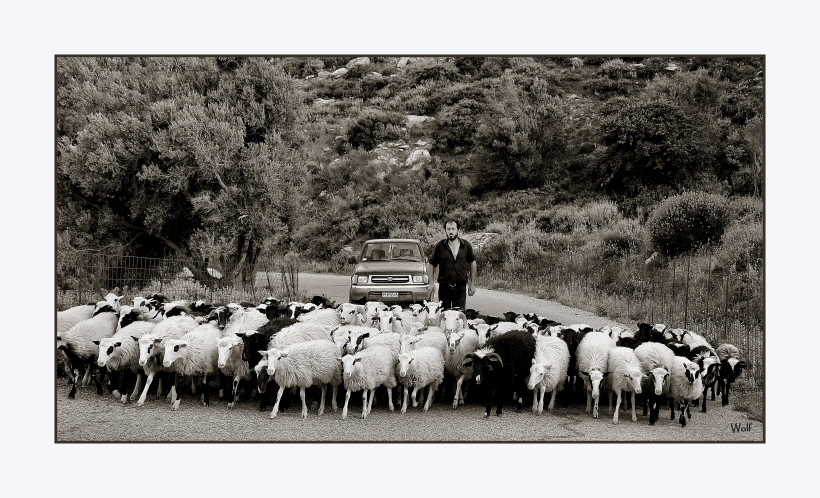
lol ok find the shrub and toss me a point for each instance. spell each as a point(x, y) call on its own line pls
point(601, 215)
point(614, 69)
point(743, 209)
point(525, 247)
point(606, 85)
point(425, 70)
point(686, 222)
point(494, 253)
point(740, 247)
point(372, 127)
point(625, 238)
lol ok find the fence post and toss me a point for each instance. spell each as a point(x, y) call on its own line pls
point(708, 277)
point(686, 305)
point(672, 301)
point(652, 303)
point(726, 306)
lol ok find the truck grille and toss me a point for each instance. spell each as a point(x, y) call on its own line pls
point(390, 279)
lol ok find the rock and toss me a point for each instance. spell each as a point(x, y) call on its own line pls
point(421, 143)
point(403, 62)
point(403, 147)
point(310, 76)
point(348, 249)
point(572, 97)
point(672, 67)
point(414, 120)
point(323, 101)
point(418, 158)
point(358, 61)
point(323, 75)
point(378, 75)
point(339, 73)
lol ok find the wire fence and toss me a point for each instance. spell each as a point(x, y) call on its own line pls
point(723, 307)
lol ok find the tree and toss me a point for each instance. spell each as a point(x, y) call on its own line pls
point(522, 139)
point(190, 156)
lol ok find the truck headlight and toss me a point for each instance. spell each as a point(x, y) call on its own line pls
point(418, 279)
point(359, 279)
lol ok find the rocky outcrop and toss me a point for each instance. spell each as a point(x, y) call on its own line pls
point(339, 73)
point(414, 120)
point(418, 158)
point(358, 61)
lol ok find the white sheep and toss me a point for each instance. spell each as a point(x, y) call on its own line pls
point(67, 319)
point(548, 371)
point(230, 363)
point(367, 370)
point(419, 314)
point(121, 352)
point(624, 375)
point(431, 338)
point(328, 317)
point(460, 344)
point(77, 343)
point(341, 335)
point(299, 332)
point(361, 339)
point(305, 364)
point(372, 309)
point(245, 321)
point(194, 354)
point(485, 332)
point(685, 384)
point(388, 322)
point(694, 340)
point(351, 314)
point(110, 299)
point(419, 368)
point(656, 364)
point(433, 312)
point(592, 357)
point(452, 321)
point(152, 349)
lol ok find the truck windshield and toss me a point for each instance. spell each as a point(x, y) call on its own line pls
point(390, 251)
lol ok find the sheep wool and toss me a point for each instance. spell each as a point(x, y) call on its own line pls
point(685, 384)
point(694, 340)
point(299, 332)
point(152, 348)
point(324, 316)
point(390, 340)
point(195, 353)
point(72, 316)
point(460, 344)
point(230, 360)
point(592, 358)
point(79, 339)
point(121, 351)
point(496, 330)
point(245, 321)
point(420, 368)
point(726, 351)
point(548, 371)
point(303, 365)
point(432, 338)
point(625, 375)
point(367, 370)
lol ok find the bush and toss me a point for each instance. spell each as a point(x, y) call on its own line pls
point(686, 222)
point(372, 127)
point(425, 70)
point(625, 238)
point(495, 252)
point(601, 215)
point(606, 85)
point(744, 209)
point(740, 247)
point(614, 69)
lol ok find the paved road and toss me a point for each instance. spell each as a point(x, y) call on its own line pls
point(93, 418)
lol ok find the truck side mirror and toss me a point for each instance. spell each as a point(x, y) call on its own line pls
point(352, 260)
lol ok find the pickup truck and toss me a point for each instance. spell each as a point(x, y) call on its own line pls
point(392, 271)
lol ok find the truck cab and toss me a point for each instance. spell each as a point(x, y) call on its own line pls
point(394, 271)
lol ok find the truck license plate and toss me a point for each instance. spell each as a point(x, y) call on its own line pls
point(390, 294)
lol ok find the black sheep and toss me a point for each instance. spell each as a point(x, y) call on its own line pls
point(501, 368)
point(258, 341)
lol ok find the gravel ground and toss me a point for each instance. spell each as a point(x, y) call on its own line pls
point(102, 418)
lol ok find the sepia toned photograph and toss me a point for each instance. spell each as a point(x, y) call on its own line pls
point(405, 248)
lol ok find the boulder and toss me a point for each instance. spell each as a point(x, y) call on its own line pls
point(378, 75)
point(403, 62)
point(672, 67)
point(339, 73)
point(323, 74)
point(323, 101)
point(414, 120)
point(358, 61)
point(421, 143)
point(418, 158)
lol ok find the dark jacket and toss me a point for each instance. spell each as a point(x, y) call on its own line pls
point(452, 269)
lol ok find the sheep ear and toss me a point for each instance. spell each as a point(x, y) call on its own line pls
point(96, 342)
point(183, 345)
point(136, 339)
point(606, 373)
point(583, 373)
point(157, 341)
point(425, 303)
point(117, 344)
point(625, 375)
point(283, 355)
point(240, 334)
point(263, 353)
point(533, 361)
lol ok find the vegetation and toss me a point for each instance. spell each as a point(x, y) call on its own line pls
point(221, 161)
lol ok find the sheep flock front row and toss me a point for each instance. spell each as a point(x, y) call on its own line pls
point(275, 350)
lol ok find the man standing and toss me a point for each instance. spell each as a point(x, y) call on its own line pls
point(452, 256)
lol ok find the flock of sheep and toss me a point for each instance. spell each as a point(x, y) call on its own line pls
point(276, 348)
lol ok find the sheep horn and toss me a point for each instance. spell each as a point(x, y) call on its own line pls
point(494, 356)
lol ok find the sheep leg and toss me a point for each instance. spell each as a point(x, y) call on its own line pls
point(646, 403)
point(390, 400)
point(370, 402)
point(333, 403)
point(589, 402)
point(413, 396)
point(404, 403)
point(176, 390)
point(205, 399)
point(655, 411)
point(499, 399)
point(617, 405)
point(682, 418)
point(159, 384)
point(535, 400)
point(193, 384)
point(430, 392)
point(552, 400)
point(364, 404)
point(145, 391)
point(323, 387)
point(87, 376)
point(703, 408)
point(234, 391)
point(595, 408)
point(304, 404)
point(672, 409)
point(458, 392)
point(173, 393)
point(610, 402)
point(275, 410)
point(73, 391)
point(344, 410)
point(634, 416)
point(724, 399)
point(136, 388)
